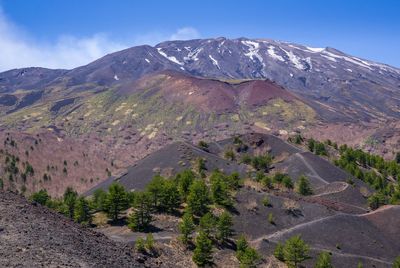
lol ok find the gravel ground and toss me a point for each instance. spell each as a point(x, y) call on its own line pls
point(34, 236)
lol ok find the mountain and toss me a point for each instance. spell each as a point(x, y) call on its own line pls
point(130, 103)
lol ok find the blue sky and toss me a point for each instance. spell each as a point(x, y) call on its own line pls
point(69, 33)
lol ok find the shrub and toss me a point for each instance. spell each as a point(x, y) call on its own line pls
point(278, 252)
point(140, 245)
point(230, 155)
point(304, 187)
point(41, 197)
point(323, 261)
point(271, 218)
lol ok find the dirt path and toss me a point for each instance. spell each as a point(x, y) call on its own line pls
point(351, 255)
point(343, 186)
point(315, 174)
point(283, 231)
point(380, 210)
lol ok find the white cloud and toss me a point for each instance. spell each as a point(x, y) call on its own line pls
point(18, 49)
point(185, 33)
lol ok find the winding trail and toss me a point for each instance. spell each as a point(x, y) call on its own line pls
point(352, 255)
point(343, 186)
point(315, 174)
point(286, 230)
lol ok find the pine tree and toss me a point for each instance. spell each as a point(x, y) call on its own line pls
point(220, 192)
point(99, 199)
point(82, 211)
point(70, 196)
point(198, 198)
point(140, 245)
point(116, 201)
point(155, 188)
point(304, 187)
point(295, 251)
point(323, 261)
point(246, 255)
point(224, 227)
point(186, 227)
point(203, 250)
point(207, 224)
point(169, 198)
point(185, 180)
point(278, 252)
point(149, 244)
point(141, 217)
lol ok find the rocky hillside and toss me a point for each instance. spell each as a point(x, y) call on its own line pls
point(43, 238)
point(132, 102)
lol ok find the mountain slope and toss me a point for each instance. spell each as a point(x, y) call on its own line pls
point(41, 237)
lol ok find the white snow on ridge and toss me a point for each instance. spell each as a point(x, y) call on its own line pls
point(316, 49)
point(171, 58)
point(253, 50)
point(192, 55)
point(294, 59)
point(357, 62)
point(273, 55)
point(349, 70)
point(116, 77)
point(214, 61)
point(328, 57)
point(147, 60)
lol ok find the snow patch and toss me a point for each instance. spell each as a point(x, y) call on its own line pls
point(253, 50)
point(192, 55)
point(116, 77)
point(273, 55)
point(147, 60)
point(214, 61)
point(349, 70)
point(171, 58)
point(182, 68)
point(294, 59)
point(316, 49)
point(351, 60)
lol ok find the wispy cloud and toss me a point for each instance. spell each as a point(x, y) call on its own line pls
point(19, 49)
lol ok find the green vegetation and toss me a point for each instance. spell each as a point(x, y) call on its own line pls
point(186, 228)
point(304, 186)
point(262, 162)
point(246, 255)
point(220, 189)
point(41, 197)
point(396, 263)
point(230, 155)
point(82, 211)
point(317, 147)
point(203, 145)
point(198, 198)
point(224, 227)
point(271, 219)
point(380, 174)
point(202, 253)
point(323, 261)
point(293, 252)
point(278, 252)
point(116, 201)
point(70, 197)
point(141, 217)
